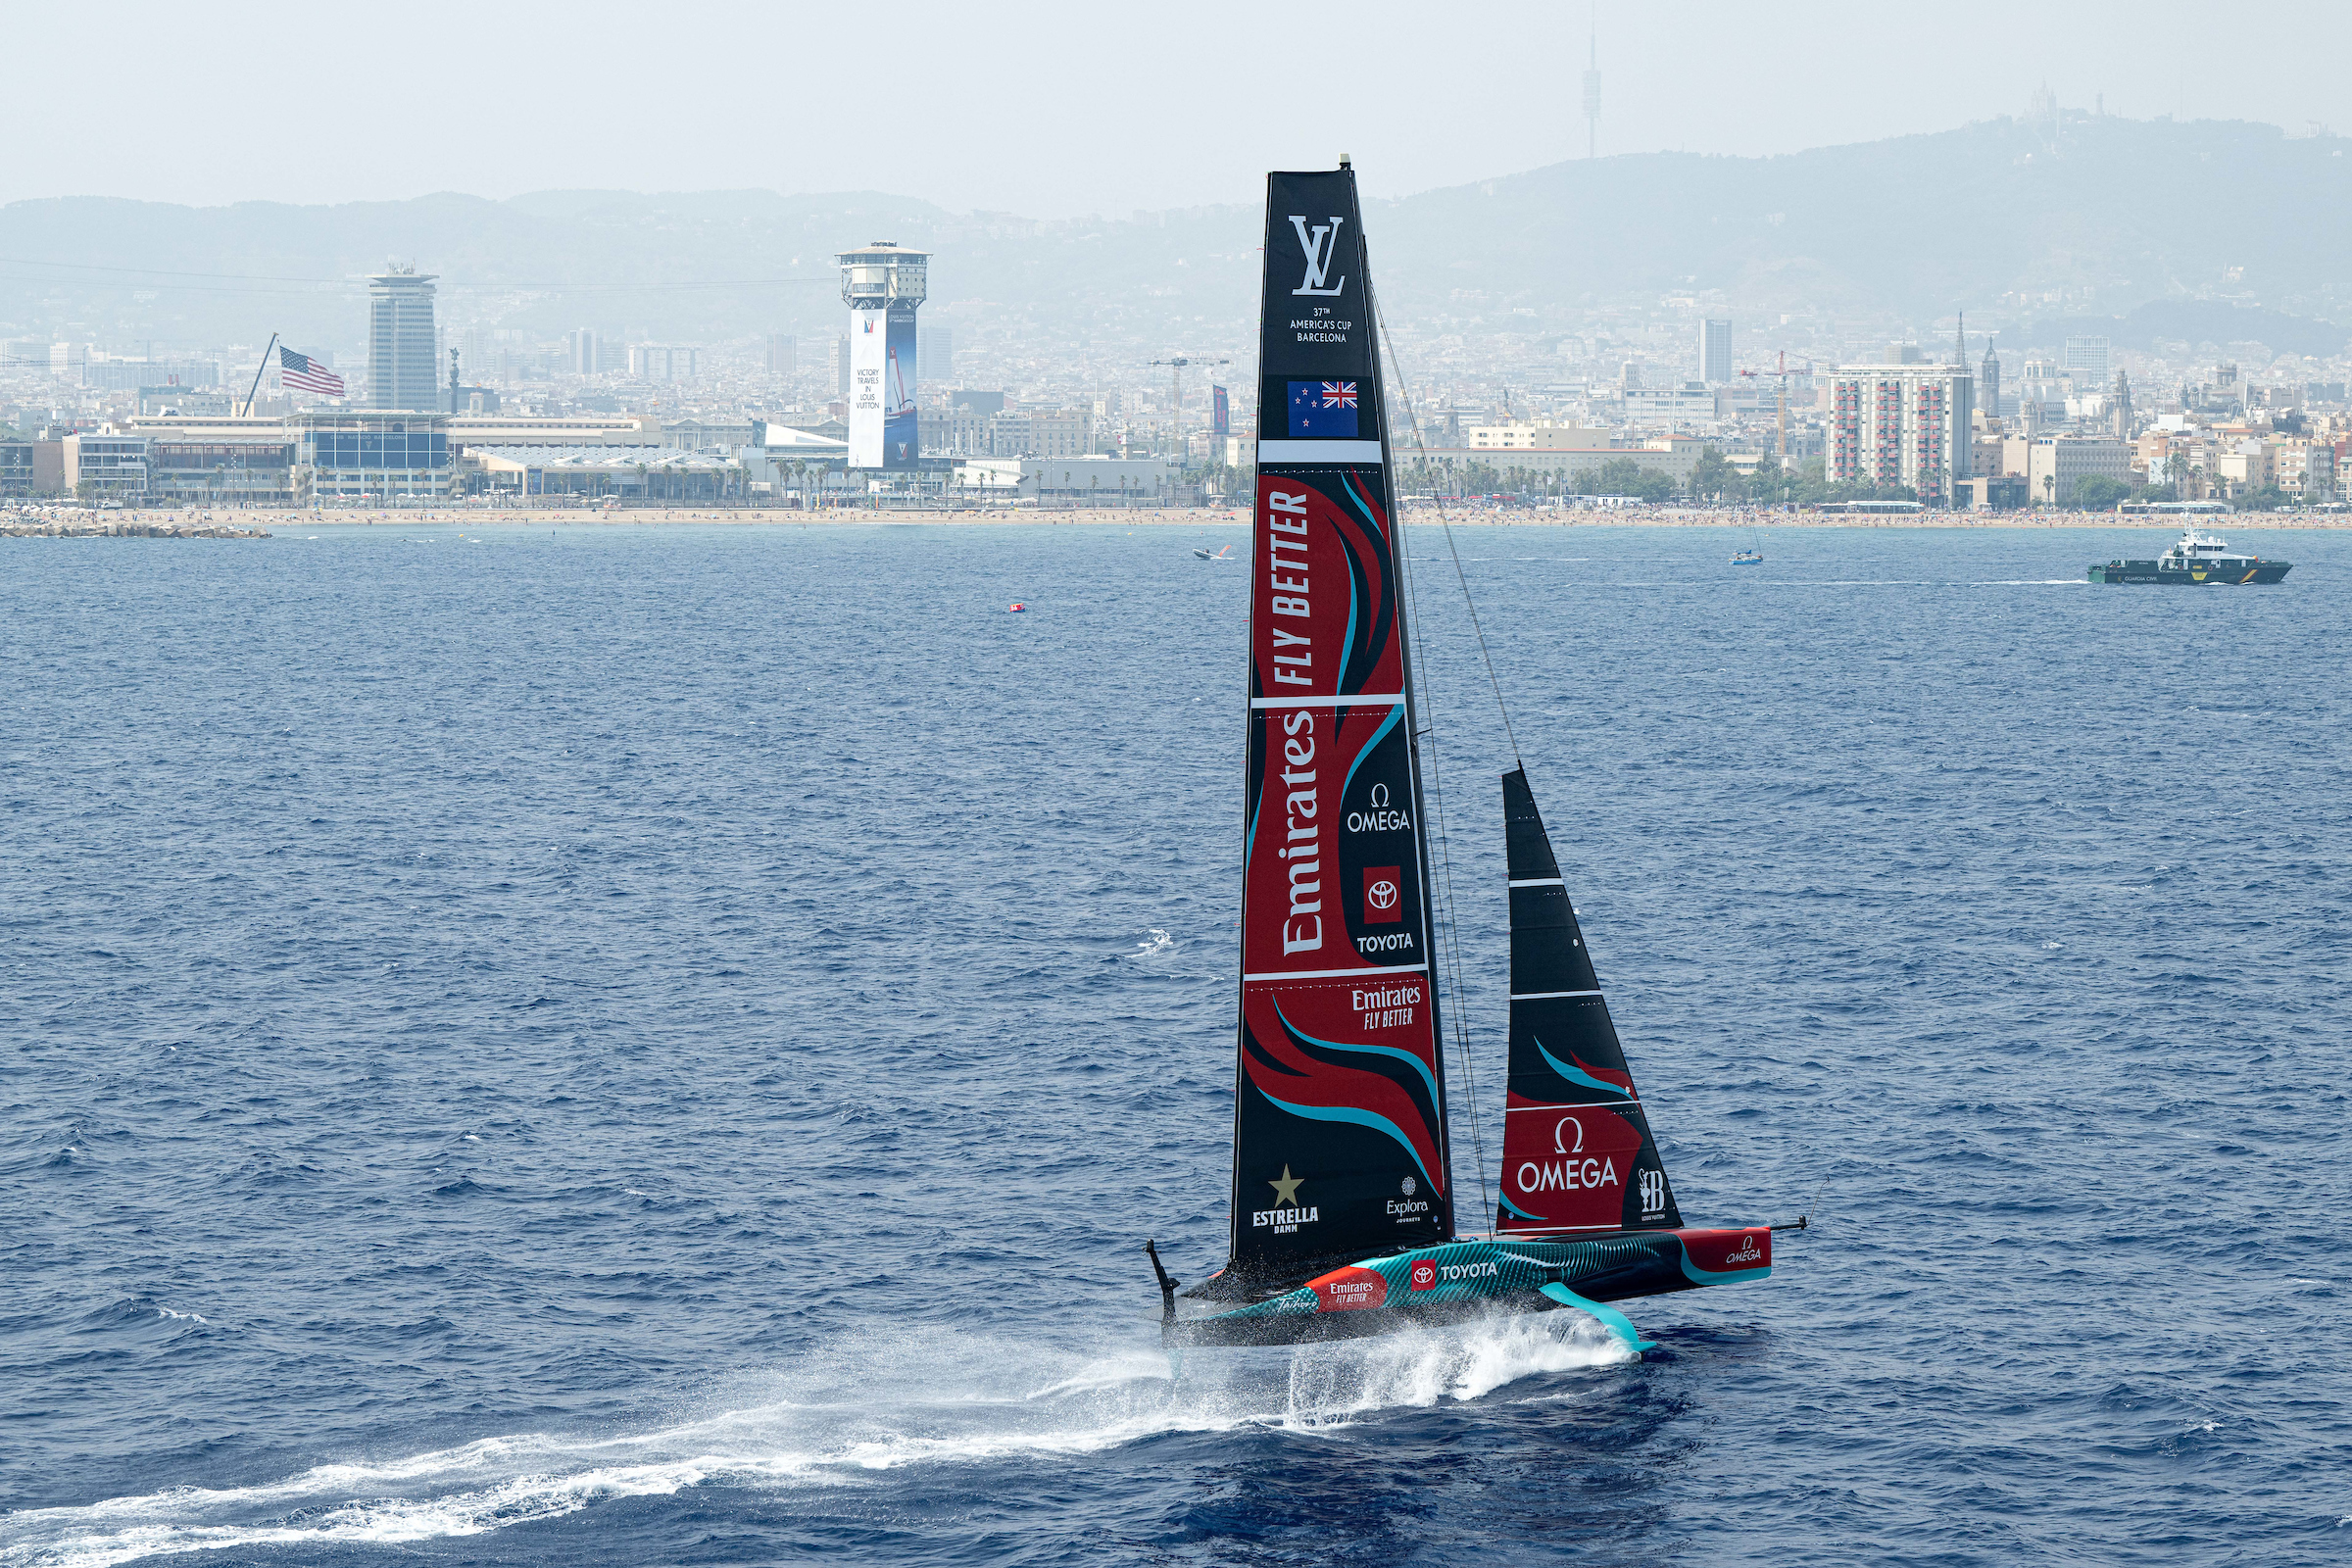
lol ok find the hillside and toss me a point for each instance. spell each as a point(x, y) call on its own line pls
point(1991, 218)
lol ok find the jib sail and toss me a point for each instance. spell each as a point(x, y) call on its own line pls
point(1340, 1098)
point(1577, 1152)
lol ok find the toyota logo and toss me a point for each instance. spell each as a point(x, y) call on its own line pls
point(1380, 895)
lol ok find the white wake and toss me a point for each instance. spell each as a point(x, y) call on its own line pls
point(868, 1404)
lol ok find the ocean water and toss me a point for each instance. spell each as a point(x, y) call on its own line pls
point(660, 1046)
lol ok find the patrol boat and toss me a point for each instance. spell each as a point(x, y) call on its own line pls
point(1343, 1211)
point(2194, 559)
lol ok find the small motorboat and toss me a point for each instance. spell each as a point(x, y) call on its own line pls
point(1225, 554)
point(1747, 558)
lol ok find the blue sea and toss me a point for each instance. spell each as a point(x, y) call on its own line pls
point(660, 1046)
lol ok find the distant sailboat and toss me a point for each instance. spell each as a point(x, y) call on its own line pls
point(1342, 1219)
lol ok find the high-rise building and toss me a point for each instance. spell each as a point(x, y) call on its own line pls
point(662, 362)
point(883, 284)
point(2086, 362)
point(935, 352)
point(399, 341)
point(840, 366)
point(1988, 385)
point(1715, 352)
point(582, 343)
point(1901, 424)
point(780, 354)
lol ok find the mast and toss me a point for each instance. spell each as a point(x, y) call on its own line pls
point(1577, 1151)
point(1339, 1139)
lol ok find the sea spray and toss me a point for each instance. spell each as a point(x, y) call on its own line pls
point(873, 1402)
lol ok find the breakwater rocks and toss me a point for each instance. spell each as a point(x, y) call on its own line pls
point(98, 528)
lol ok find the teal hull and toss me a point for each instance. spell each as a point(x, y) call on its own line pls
point(1462, 1281)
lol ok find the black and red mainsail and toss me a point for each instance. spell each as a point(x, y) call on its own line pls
point(1577, 1152)
point(1340, 1139)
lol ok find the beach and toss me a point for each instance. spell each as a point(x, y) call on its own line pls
point(187, 522)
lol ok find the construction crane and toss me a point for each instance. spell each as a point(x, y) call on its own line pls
point(1783, 372)
point(1176, 396)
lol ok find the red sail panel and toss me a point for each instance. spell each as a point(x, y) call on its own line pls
point(1340, 1103)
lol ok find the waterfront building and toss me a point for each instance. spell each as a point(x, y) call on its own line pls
point(105, 467)
point(631, 473)
point(1097, 478)
point(1902, 424)
point(884, 284)
point(384, 457)
point(1529, 437)
point(245, 469)
point(1672, 456)
point(2056, 463)
point(401, 369)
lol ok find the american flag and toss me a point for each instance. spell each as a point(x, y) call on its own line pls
point(1339, 394)
point(302, 371)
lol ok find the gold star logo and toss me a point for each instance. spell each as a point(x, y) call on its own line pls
point(1286, 1190)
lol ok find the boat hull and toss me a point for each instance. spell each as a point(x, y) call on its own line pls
point(2261, 573)
point(1432, 1287)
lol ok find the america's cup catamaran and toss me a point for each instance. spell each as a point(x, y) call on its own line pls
point(1344, 1208)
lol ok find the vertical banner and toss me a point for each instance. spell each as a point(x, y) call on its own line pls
point(1221, 412)
point(901, 441)
point(869, 364)
point(1339, 1104)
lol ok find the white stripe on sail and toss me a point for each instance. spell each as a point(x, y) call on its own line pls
point(1539, 996)
point(1539, 882)
point(1384, 699)
point(1318, 452)
point(1342, 975)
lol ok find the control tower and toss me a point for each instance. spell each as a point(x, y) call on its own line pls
point(882, 285)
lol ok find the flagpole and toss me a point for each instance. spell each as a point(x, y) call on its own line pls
point(259, 371)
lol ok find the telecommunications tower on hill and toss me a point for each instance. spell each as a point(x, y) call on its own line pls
point(1593, 99)
point(882, 285)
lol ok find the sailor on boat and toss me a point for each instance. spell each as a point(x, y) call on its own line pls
point(1344, 1210)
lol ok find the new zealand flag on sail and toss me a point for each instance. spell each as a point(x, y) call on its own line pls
point(1323, 411)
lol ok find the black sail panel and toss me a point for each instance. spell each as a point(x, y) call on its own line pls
point(1340, 1144)
point(1576, 1150)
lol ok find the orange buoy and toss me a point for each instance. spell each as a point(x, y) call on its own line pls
point(1014, 610)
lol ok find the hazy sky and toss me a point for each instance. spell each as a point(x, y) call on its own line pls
point(1053, 109)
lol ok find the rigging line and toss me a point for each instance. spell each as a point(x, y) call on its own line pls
point(1453, 967)
point(1447, 524)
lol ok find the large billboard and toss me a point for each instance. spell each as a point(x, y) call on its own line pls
point(869, 364)
point(900, 442)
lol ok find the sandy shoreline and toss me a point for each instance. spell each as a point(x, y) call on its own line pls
point(292, 522)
